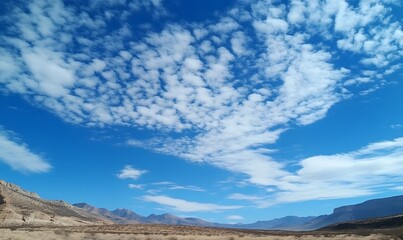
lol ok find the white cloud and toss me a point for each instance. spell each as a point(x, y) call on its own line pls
point(8, 68)
point(234, 217)
point(130, 172)
point(19, 157)
point(189, 188)
point(166, 185)
point(259, 201)
point(54, 80)
point(181, 205)
point(163, 183)
point(240, 196)
point(156, 7)
point(136, 186)
point(357, 173)
point(296, 13)
point(238, 43)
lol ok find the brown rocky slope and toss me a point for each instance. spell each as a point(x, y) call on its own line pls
point(22, 208)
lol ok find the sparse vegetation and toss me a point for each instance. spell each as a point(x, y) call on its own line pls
point(171, 232)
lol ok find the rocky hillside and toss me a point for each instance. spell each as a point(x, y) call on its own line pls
point(22, 208)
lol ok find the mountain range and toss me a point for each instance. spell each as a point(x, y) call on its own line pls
point(369, 209)
point(125, 216)
point(19, 207)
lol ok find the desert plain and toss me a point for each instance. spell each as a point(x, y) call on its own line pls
point(171, 232)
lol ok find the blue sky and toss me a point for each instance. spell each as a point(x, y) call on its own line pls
point(230, 111)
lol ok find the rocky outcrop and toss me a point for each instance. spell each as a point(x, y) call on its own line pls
point(22, 208)
point(17, 189)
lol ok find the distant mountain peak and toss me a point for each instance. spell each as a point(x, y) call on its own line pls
point(82, 205)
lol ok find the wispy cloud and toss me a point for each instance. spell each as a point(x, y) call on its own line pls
point(18, 155)
point(188, 188)
point(136, 186)
point(240, 196)
point(181, 205)
point(165, 185)
point(173, 186)
point(130, 172)
point(395, 126)
point(361, 171)
point(234, 217)
point(358, 173)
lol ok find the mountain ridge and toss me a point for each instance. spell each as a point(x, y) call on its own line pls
point(126, 216)
point(20, 207)
point(374, 208)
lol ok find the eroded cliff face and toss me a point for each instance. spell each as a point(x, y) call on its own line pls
point(22, 208)
point(18, 189)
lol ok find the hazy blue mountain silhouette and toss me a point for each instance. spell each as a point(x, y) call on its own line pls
point(369, 209)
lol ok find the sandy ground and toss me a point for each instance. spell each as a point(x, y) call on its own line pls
point(85, 233)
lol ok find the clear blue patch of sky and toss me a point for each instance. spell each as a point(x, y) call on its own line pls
point(198, 10)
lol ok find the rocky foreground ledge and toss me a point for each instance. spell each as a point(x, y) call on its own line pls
point(19, 207)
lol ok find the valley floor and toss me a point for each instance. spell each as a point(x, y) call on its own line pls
point(167, 232)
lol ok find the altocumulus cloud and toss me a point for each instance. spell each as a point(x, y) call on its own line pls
point(18, 156)
point(226, 88)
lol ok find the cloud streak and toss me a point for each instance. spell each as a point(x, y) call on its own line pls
point(235, 217)
point(18, 155)
point(358, 173)
point(181, 205)
point(165, 185)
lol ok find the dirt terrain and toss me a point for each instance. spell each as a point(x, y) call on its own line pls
point(171, 232)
